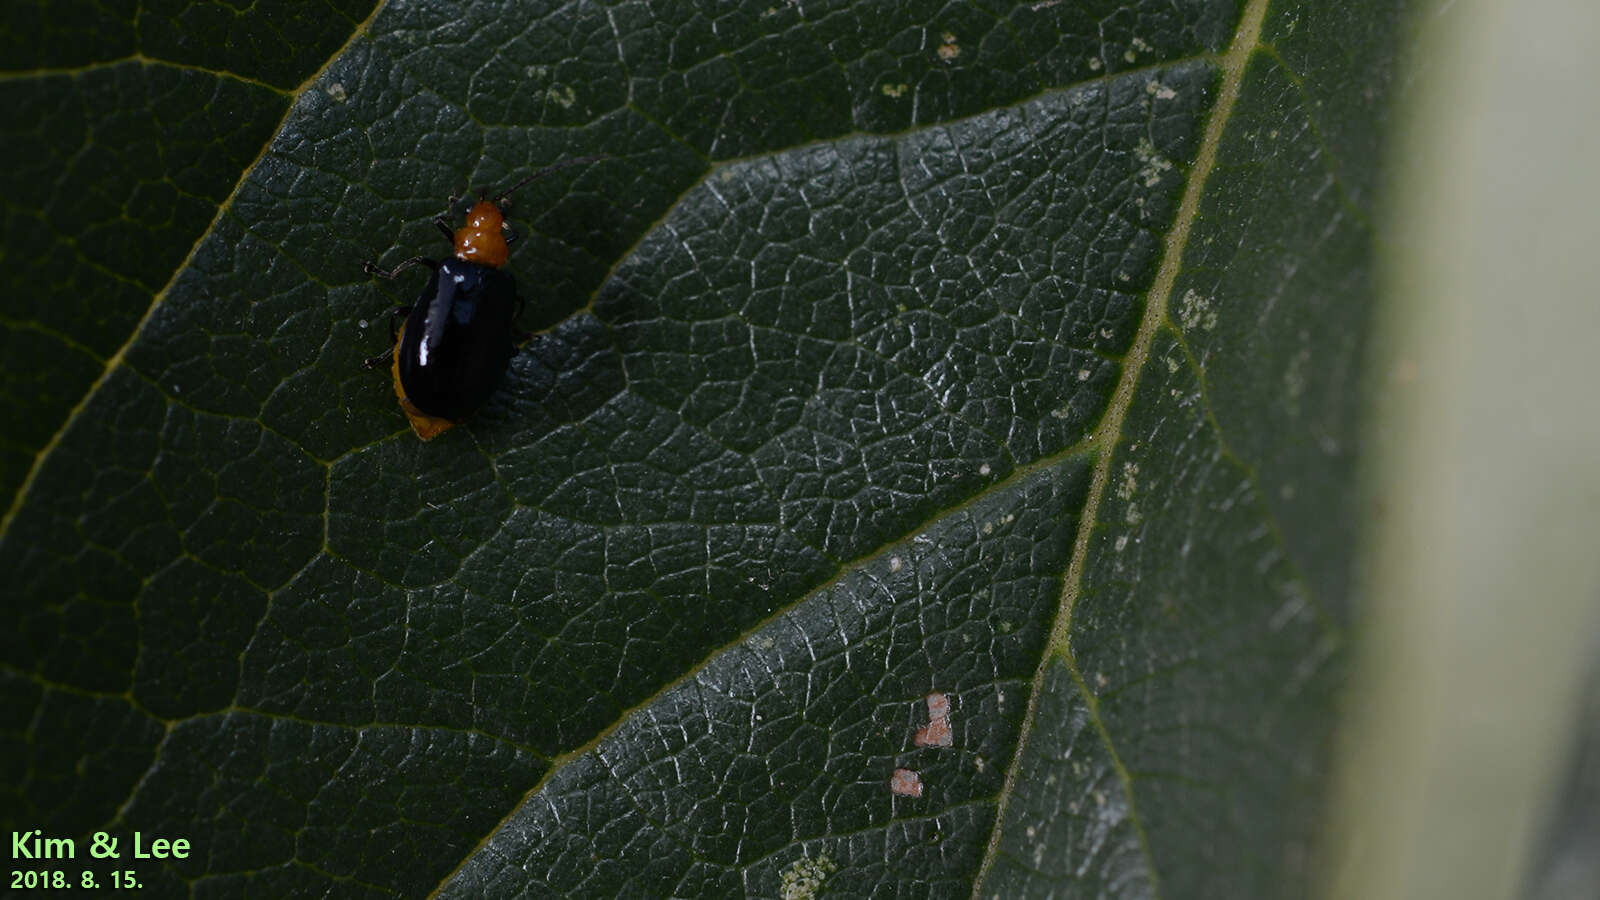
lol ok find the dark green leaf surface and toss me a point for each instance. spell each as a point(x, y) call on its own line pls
point(1003, 353)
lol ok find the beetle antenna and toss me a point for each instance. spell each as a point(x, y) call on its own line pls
point(553, 167)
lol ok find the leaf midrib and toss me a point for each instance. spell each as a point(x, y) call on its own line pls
point(1246, 40)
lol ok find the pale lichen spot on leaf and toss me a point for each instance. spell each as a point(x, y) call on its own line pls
point(1130, 481)
point(895, 90)
point(337, 92)
point(1139, 46)
point(801, 879)
point(1195, 310)
point(1152, 165)
point(562, 94)
point(1158, 90)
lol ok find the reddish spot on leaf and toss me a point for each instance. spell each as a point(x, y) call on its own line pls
point(906, 783)
point(937, 732)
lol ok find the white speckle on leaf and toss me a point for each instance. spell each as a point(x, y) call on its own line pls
point(1158, 90)
point(1083, 374)
point(1094, 63)
point(895, 563)
point(1294, 378)
point(361, 324)
point(984, 469)
point(1122, 542)
point(895, 90)
point(949, 50)
point(801, 879)
point(1195, 310)
point(1292, 609)
point(1152, 165)
point(562, 94)
point(1130, 481)
point(337, 92)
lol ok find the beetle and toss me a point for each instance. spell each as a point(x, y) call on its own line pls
point(458, 337)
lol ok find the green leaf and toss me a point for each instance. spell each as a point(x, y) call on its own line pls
point(1005, 355)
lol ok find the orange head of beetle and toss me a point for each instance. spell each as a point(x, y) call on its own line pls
point(482, 239)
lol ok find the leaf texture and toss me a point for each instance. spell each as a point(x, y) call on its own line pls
point(1004, 356)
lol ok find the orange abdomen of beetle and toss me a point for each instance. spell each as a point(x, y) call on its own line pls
point(481, 240)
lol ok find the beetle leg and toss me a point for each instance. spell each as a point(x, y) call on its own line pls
point(372, 362)
point(442, 220)
point(371, 266)
point(396, 313)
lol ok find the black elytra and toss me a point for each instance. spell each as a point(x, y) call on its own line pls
point(459, 335)
point(457, 340)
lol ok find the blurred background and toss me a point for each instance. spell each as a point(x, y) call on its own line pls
point(1471, 765)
